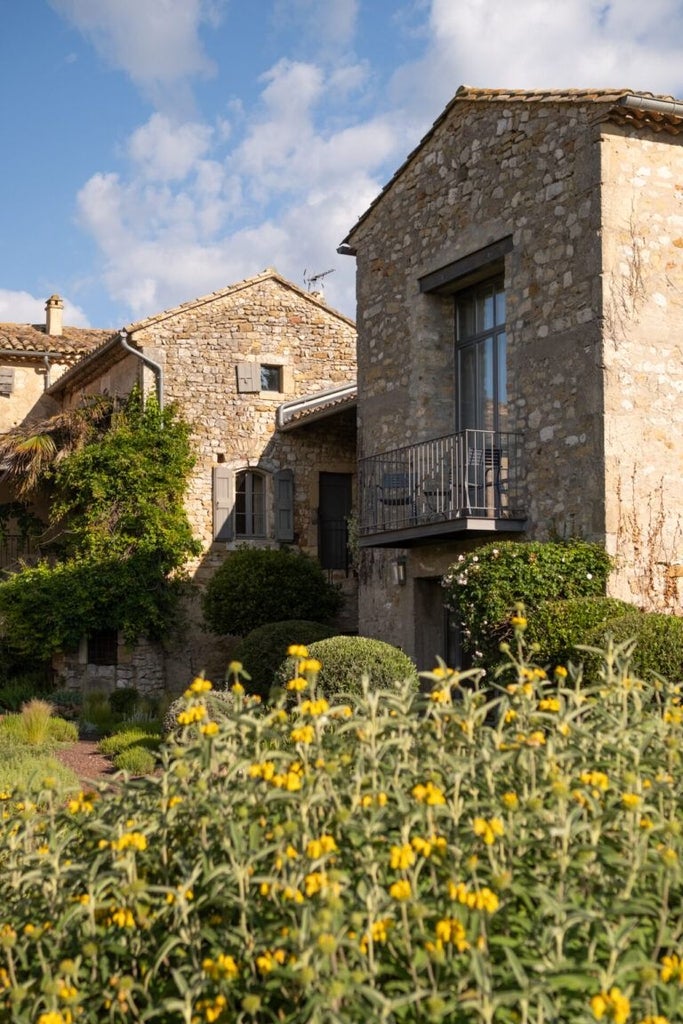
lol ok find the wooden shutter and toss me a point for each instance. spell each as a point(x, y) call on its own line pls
point(248, 377)
point(6, 380)
point(223, 503)
point(284, 505)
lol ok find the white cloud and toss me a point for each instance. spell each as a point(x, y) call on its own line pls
point(156, 42)
point(24, 308)
point(544, 44)
point(165, 151)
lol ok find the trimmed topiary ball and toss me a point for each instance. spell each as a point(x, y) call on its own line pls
point(219, 703)
point(558, 627)
point(262, 650)
point(346, 659)
point(658, 649)
point(255, 586)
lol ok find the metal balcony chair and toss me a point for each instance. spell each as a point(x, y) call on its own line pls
point(486, 471)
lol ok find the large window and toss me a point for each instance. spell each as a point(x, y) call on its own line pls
point(481, 357)
point(250, 504)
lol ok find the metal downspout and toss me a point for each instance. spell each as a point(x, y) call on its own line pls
point(674, 107)
point(155, 367)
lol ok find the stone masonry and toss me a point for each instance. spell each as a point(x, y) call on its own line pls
point(591, 199)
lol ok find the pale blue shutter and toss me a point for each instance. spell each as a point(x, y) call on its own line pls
point(284, 505)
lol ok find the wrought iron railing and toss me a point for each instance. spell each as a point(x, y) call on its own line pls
point(475, 474)
point(16, 549)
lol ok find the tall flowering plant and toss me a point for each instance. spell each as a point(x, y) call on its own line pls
point(460, 855)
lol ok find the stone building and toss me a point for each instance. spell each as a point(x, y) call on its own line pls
point(520, 348)
point(265, 374)
point(32, 357)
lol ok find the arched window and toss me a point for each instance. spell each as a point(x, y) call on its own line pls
point(250, 504)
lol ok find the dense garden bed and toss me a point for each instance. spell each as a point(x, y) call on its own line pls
point(498, 854)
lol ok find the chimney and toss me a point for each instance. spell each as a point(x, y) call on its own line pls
point(53, 315)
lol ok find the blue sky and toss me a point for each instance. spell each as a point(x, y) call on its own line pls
point(156, 150)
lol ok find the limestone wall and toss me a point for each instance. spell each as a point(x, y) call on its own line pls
point(642, 244)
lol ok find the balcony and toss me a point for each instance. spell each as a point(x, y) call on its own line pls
point(465, 484)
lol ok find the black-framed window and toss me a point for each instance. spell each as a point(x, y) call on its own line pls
point(250, 504)
point(481, 357)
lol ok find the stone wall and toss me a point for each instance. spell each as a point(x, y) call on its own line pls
point(642, 242)
point(531, 171)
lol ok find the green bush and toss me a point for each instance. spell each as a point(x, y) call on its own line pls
point(346, 659)
point(484, 585)
point(38, 729)
point(124, 701)
point(136, 760)
point(255, 586)
point(397, 859)
point(559, 626)
point(658, 643)
point(261, 650)
point(127, 738)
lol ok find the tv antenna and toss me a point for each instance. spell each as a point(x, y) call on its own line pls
point(312, 279)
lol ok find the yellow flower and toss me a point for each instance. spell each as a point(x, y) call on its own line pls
point(613, 1005)
point(428, 793)
point(298, 683)
point(518, 621)
point(237, 689)
point(316, 848)
point(378, 932)
point(549, 704)
point(130, 841)
point(656, 1019)
point(440, 696)
point(193, 714)
point(631, 800)
point(401, 857)
point(450, 930)
point(310, 665)
point(122, 918)
point(200, 685)
point(223, 966)
point(488, 830)
point(596, 780)
point(400, 890)
point(210, 729)
point(422, 846)
point(511, 800)
point(297, 651)
point(672, 969)
point(314, 707)
point(304, 734)
point(561, 671)
point(81, 804)
point(54, 1017)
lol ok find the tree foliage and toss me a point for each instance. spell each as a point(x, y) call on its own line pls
point(122, 533)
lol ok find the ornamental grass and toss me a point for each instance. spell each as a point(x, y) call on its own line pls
point(501, 854)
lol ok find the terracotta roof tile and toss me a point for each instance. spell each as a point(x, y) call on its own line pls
point(73, 342)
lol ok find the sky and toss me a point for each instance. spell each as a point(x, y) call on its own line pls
point(159, 150)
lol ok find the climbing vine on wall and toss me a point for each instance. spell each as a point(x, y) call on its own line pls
point(121, 537)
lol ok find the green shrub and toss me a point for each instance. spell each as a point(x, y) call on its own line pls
point(346, 659)
point(255, 586)
point(658, 643)
point(398, 860)
point(67, 703)
point(124, 701)
point(62, 731)
point(126, 738)
point(559, 626)
point(16, 692)
point(484, 585)
point(261, 650)
point(136, 760)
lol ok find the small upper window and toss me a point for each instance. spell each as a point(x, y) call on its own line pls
point(271, 378)
point(103, 647)
point(250, 504)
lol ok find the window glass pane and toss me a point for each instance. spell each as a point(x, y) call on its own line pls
point(258, 510)
point(467, 387)
point(502, 384)
point(485, 310)
point(270, 378)
point(500, 306)
point(241, 504)
point(465, 317)
point(485, 356)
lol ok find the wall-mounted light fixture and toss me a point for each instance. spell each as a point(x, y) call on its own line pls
point(399, 570)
